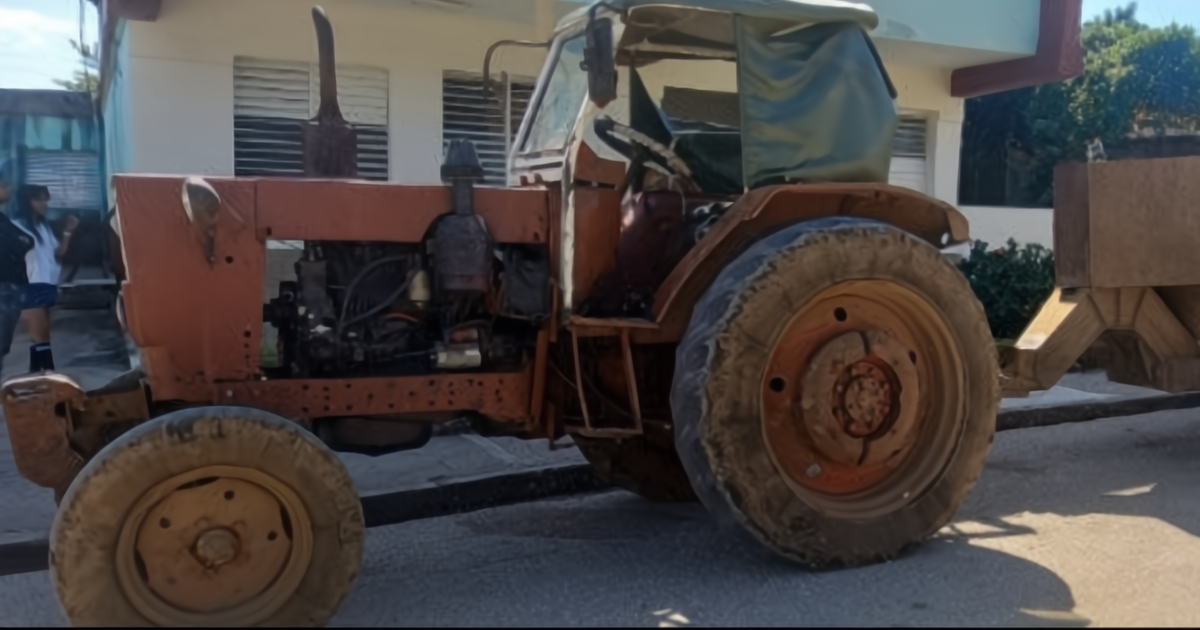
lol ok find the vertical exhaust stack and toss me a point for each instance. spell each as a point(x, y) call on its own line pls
point(330, 143)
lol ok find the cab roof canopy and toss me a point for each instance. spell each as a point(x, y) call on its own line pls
point(663, 29)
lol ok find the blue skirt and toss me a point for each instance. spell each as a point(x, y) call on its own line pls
point(40, 296)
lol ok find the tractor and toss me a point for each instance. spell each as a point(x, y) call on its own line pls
point(734, 308)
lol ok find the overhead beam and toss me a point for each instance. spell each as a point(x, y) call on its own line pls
point(1059, 56)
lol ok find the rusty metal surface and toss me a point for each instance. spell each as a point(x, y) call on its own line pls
point(840, 396)
point(111, 408)
point(357, 210)
point(499, 396)
point(651, 244)
point(591, 168)
point(765, 210)
point(597, 236)
point(195, 324)
point(40, 436)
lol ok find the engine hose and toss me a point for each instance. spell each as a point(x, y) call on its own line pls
point(354, 285)
point(377, 308)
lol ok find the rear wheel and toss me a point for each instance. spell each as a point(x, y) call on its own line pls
point(212, 517)
point(836, 392)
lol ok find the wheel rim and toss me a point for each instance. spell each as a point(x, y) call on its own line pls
point(220, 545)
point(863, 398)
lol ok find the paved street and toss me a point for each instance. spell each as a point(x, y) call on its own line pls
point(1093, 524)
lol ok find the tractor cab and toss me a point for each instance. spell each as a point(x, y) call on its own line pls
point(677, 110)
point(812, 100)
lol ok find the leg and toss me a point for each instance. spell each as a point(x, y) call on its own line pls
point(38, 300)
point(11, 298)
point(37, 322)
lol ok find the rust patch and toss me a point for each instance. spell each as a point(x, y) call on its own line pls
point(501, 396)
point(39, 428)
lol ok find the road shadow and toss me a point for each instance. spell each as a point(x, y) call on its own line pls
point(614, 559)
point(1144, 466)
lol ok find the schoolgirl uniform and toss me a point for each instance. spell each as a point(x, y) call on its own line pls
point(44, 271)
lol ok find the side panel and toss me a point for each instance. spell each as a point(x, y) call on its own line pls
point(348, 211)
point(767, 210)
point(195, 324)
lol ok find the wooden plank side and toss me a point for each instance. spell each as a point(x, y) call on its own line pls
point(1143, 226)
point(1072, 262)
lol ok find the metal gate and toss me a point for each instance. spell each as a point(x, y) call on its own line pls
point(73, 178)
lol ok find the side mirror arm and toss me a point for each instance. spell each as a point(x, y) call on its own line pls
point(488, 93)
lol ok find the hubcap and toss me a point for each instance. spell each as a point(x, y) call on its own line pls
point(842, 397)
point(216, 546)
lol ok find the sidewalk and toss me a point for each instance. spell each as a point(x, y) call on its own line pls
point(88, 347)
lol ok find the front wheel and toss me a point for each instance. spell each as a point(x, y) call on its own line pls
point(836, 392)
point(213, 516)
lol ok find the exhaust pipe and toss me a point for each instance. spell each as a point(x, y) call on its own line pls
point(330, 143)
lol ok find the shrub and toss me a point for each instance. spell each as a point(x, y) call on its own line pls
point(1012, 283)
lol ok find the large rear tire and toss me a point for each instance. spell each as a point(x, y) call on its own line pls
point(836, 392)
point(213, 516)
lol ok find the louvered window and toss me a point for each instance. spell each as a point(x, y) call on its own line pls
point(272, 101)
point(909, 164)
point(468, 115)
point(910, 138)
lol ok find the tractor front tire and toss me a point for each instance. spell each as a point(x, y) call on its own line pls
point(211, 516)
point(836, 392)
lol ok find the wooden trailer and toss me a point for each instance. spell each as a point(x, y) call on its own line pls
point(1127, 266)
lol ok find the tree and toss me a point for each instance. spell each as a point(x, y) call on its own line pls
point(87, 78)
point(1135, 78)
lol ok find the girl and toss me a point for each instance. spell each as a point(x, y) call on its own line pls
point(44, 266)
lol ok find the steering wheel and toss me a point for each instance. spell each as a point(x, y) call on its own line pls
point(633, 144)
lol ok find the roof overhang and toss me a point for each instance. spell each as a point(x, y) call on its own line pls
point(1059, 56)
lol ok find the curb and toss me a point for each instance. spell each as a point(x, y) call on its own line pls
point(398, 507)
point(1036, 417)
point(490, 492)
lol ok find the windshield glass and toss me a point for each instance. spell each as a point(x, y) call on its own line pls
point(562, 101)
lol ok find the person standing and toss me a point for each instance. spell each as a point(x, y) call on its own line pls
point(14, 244)
point(43, 264)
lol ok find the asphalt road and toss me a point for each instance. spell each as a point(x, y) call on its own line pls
point(1090, 524)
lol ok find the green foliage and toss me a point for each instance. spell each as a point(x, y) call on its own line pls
point(86, 79)
point(1134, 77)
point(1012, 283)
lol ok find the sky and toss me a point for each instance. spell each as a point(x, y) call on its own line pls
point(35, 34)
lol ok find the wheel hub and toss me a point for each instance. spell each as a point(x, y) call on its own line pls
point(841, 395)
point(864, 398)
point(215, 546)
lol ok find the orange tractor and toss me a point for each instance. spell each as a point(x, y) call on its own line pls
point(735, 309)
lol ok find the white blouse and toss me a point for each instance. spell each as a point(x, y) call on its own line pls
point(40, 262)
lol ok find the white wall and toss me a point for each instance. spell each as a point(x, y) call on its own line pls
point(181, 72)
point(180, 78)
point(995, 226)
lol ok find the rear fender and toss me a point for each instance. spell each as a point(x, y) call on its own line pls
point(767, 210)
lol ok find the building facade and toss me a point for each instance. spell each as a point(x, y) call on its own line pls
point(219, 87)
